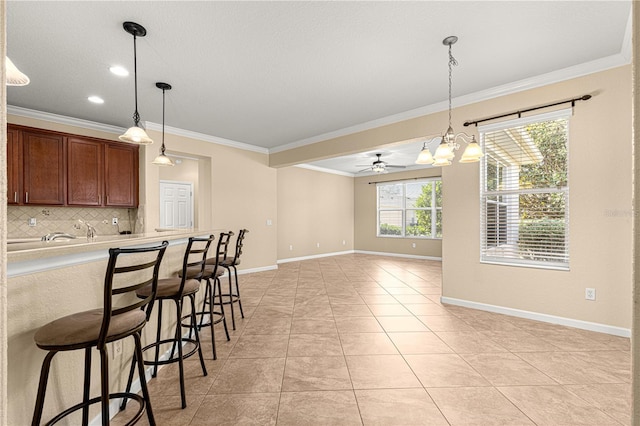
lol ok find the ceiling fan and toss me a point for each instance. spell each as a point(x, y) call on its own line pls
point(379, 166)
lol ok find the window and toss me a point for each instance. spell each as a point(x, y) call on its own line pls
point(410, 209)
point(525, 192)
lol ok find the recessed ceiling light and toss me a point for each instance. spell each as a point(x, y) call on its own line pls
point(119, 71)
point(96, 99)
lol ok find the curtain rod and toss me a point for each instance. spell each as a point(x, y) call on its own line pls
point(520, 112)
point(400, 180)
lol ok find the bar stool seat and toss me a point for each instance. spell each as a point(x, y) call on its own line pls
point(83, 329)
point(169, 287)
point(97, 327)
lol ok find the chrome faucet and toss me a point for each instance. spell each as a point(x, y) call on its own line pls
point(91, 231)
point(55, 235)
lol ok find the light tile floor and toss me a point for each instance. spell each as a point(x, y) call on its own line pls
point(362, 339)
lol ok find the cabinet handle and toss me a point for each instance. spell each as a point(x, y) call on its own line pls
point(26, 197)
point(15, 197)
point(99, 199)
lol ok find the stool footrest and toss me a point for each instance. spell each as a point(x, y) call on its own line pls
point(118, 395)
point(173, 359)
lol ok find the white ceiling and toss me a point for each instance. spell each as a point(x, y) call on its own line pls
point(278, 74)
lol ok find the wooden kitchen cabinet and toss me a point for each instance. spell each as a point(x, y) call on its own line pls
point(121, 175)
point(53, 168)
point(44, 165)
point(14, 160)
point(85, 171)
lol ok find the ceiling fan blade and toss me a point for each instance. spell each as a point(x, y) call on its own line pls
point(364, 170)
point(397, 167)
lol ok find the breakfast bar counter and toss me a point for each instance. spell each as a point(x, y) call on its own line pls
point(51, 279)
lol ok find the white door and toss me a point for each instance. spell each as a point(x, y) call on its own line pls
point(176, 205)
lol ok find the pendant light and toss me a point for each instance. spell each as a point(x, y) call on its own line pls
point(135, 134)
point(449, 141)
point(162, 159)
point(14, 76)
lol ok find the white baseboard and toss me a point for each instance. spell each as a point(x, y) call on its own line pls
point(260, 269)
point(408, 256)
point(314, 256)
point(552, 319)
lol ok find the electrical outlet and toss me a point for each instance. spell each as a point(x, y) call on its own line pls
point(318, 245)
point(114, 221)
point(344, 243)
point(590, 293)
point(413, 245)
point(32, 221)
point(269, 222)
point(116, 349)
point(291, 248)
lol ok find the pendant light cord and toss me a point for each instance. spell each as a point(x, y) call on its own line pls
point(452, 62)
point(162, 148)
point(136, 115)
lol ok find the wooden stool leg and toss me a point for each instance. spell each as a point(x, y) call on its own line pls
point(87, 385)
point(42, 388)
point(143, 380)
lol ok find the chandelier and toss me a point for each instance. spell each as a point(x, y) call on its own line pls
point(449, 142)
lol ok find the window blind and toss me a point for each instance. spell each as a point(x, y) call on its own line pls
point(525, 191)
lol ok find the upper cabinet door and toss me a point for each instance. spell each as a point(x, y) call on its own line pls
point(14, 167)
point(121, 175)
point(44, 166)
point(85, 167)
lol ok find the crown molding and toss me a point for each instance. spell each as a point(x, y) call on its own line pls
point(204, 137)
point(63, 119)
point(557, 76)
point(323, 170)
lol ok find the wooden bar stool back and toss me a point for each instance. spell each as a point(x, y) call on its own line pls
point(128, 270)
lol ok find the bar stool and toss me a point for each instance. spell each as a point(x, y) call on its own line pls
point(212, 273)
point(97, 327)
point(231, 262)
point(176, 289)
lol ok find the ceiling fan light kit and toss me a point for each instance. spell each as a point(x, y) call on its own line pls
point(135, 134)
point(14, 76)
point(449, 141)
point(379, 166)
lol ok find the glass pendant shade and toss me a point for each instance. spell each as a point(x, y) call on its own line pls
point(441, 162)
point(137, 135)
point(444, 152)
point(14, 76)
point(425, 156)
point(472, 153)
point(163, 160)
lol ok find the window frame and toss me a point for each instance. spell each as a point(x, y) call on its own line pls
point(512, 227)
point(434, 209)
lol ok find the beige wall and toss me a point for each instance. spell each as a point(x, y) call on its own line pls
point(314, 207)
point(365, 225)
point(236, 189)
point(600, 202)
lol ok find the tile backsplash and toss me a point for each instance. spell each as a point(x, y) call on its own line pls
point(63, 219)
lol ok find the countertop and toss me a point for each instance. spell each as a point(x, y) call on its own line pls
point(28, 255)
